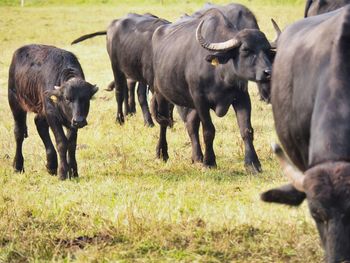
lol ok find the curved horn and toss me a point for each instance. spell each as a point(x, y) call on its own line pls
point(222, 46)
point(278, 33)
point(307, 8)
point(296, 177)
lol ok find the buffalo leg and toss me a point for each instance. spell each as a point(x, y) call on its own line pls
point(72, 135)
point(20, 130)
point(121, 96)
point(126, 100)
point(62, 147)
point(142, 96)
point(208, 133)
point(51, 156)
point(161, 110)
point(20, 133)
point(120, 88)
point(131, 102)
point(242, 107)
point(192, 126)
point(171, 114)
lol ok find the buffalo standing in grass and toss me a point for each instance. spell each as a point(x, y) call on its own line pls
point(310, 100)
point(49, 82)
point(242, 18)
point(201, 75)
point(317, 7)
point(130, 50)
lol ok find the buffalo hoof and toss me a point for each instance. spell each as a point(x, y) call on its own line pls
point(149, 124)
point(51, 171)
point(208, 167)
point(197, 159)
point(51, 165)
point(253, 168)
point(211, 165)
point(62, 174)
point(209, 161)
point(17, 164)
point(132, 109)
point(73, 174)
point(162, 155)
point(20, 170)
point(120, 119)
point(130, 113)
point(62, 177)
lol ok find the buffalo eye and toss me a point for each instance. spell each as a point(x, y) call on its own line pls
point(271, 54)
point(68, 99)
point(319, 216)
point(246, 51)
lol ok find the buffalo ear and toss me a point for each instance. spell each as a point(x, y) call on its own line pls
point(272, 55)
point(94, 89)
point(55, 94)
point(217, 58)
point(286, 194)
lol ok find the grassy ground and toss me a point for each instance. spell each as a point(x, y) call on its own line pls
point(127, 206)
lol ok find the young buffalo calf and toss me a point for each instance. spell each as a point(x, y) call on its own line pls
point(50, 82)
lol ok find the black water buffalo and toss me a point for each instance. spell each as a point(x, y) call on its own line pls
point(317, 7)
point(130, 50)
point(49, 82)
point(310, 101)
point(201, 75)
point(242, 18)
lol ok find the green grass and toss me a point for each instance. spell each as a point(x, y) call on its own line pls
point(128, 206)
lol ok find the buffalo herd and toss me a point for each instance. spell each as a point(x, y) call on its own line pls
point(203, 62)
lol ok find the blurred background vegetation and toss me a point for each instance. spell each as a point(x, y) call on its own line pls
point(114, 2)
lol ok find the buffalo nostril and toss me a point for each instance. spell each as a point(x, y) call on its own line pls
point(267, 73)
point(79, 123)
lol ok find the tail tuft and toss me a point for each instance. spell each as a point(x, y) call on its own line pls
point(162, 120)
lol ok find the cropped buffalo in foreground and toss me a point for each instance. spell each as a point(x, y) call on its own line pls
point(317, 7)
point(310, 100)
point(194, 72)
point(130, 50)
point(49, 82)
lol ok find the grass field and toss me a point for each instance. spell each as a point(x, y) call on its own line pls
point(127, 206)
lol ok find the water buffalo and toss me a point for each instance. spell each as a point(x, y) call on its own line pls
point(317, 7)
point(310, 100)
point(242, 18)
point(191, 71)
point(130, 50)
point(49, 82)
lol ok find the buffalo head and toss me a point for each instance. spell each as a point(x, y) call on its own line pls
point(317, 7)
point(251, 55)
point(73, 100)
point(327, 190)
